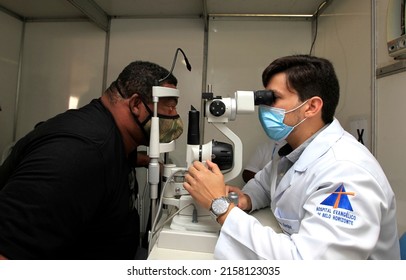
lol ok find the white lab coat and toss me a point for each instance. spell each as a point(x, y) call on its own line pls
point(306, 205)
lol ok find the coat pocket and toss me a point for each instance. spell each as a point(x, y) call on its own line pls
point(287, 225)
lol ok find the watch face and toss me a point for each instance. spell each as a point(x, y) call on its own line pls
point(220, 206)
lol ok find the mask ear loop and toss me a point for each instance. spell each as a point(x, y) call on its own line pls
point(150, 113)
point(142, 124)
point(296, 109)
point(168, 117)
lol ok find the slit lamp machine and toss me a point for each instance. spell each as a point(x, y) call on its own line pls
point(177, 222)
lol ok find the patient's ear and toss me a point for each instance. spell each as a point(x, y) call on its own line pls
point(135, 103)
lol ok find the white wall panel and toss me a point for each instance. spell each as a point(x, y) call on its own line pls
point(344, 37)
point(10, 34)
point(61, 60)
point(239, 50)
point(391, 131)
point(391, 151)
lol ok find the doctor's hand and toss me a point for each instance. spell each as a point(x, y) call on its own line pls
point(205, 183)
point(244, 201)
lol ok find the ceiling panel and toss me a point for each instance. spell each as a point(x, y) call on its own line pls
point(41, 9)
point(263, 6)
point(46, 9)
point(149, 8)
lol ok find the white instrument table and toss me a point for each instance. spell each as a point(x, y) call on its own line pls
point(264, 216)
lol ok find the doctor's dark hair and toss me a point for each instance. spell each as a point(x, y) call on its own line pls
point(309, 76)
point(139, 77)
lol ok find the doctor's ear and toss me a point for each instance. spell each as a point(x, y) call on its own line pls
point(314, 106)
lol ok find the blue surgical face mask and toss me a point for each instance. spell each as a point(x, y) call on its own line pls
point(271, 119)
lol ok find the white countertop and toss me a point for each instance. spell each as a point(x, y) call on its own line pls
point(163, 252)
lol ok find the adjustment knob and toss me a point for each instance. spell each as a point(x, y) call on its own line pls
point(217, 108)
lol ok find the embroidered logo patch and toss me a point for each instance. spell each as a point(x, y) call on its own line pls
point(337, 207)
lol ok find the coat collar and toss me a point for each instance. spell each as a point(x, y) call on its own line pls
point(320, 145)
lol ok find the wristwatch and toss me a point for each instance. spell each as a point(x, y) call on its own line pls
point(219, 206)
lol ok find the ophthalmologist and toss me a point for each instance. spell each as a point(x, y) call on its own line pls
point(328, 193)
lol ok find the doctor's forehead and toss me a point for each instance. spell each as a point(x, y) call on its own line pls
point(280, 86)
